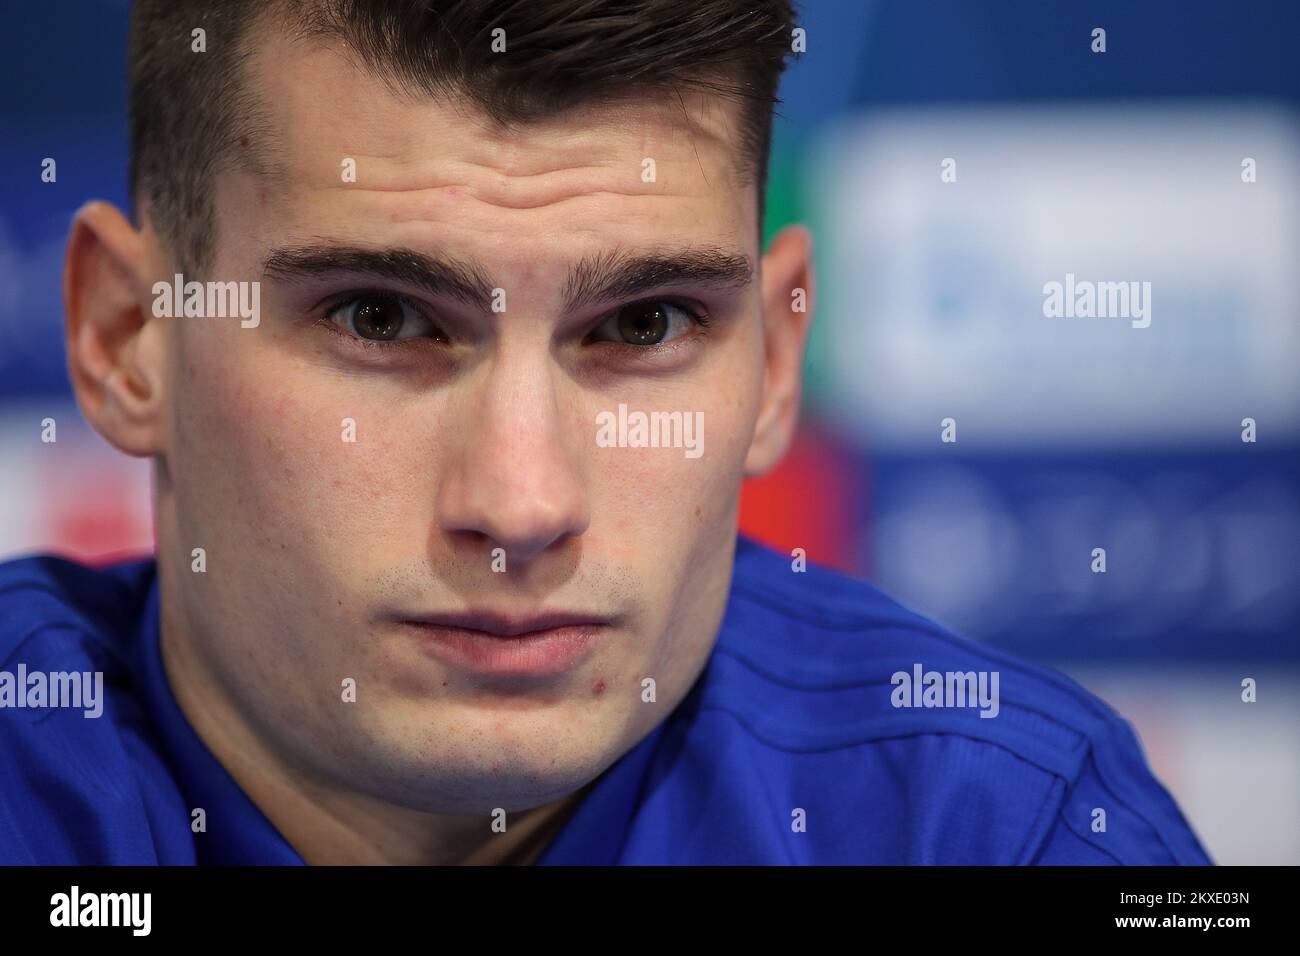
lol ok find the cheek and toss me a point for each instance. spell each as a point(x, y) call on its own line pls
point(659, 497)
point(275, 453)
point(657, 494)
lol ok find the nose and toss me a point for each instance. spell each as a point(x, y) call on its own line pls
point(515, 479)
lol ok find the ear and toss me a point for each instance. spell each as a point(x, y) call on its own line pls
point(787, 291)
point(115, 352)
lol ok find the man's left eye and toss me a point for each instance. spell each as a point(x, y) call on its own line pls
point(646, 324)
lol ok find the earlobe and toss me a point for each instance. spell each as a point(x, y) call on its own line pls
point(788, 293)
point(113, 361)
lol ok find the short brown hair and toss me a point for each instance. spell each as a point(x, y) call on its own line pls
point(188, 110)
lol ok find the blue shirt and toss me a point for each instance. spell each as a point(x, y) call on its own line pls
point(793, 747)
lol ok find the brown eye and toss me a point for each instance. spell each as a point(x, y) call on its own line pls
point(384, 318)
point(646, 324)
point(642, 324)
point(377, 318)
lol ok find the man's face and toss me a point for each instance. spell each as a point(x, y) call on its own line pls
point(475, 430)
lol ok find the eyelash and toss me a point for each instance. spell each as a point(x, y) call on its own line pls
point(648, 352)
point(697, 315)
point(353, 340)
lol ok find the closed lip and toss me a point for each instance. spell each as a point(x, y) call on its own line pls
point(535, 646)
point(509, 626)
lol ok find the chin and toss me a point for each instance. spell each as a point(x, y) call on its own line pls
point(478, 790)
point(492, 764)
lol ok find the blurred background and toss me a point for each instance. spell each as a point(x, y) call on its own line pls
point(1072, 434)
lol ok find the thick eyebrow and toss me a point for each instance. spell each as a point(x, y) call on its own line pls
point(615, 276)
point(605, 277)
point(441, 277)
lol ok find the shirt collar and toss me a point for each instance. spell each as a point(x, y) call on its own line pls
point(595, 833)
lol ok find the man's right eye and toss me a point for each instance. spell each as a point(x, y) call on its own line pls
point(384, 317)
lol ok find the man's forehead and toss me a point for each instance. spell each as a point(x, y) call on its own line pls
point(654, 176)
point(319, 105)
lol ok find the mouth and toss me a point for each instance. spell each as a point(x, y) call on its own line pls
point(543, 645)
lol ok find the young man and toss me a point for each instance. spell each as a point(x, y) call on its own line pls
point(450, 337)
